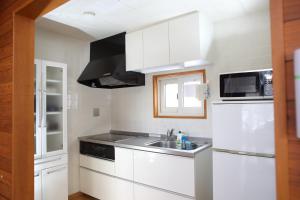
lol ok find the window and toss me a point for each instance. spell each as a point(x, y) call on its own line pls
point(180, 95)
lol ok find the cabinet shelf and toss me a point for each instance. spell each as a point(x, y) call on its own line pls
point(54, 132)
point(54, 113)
point(53, 81)
point(53, 94)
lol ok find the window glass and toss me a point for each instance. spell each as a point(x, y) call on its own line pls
point(191, 91)
point(171, 91)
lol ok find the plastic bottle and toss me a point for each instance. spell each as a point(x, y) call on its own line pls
point(178, 140)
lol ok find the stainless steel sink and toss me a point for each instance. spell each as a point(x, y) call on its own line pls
point(172, 145)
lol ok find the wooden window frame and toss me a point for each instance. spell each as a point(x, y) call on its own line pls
point(155, 79)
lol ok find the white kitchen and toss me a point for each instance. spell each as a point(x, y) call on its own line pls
point(149, 99)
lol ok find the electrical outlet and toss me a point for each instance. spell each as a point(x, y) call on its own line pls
point(96, 112)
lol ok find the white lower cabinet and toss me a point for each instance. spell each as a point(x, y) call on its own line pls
point(124, 163)
point(123, 190)
point(105, 187)
point(51, 179)
point(146, 193)
point(173, 173)
point(141, 175)
point(54, 183)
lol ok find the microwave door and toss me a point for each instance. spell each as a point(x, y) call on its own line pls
point(240, 85)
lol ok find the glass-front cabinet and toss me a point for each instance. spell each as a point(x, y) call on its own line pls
point(50, 112)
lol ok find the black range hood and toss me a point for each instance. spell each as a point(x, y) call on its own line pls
point(107, 66)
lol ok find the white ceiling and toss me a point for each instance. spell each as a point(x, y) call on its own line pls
point(115, 16)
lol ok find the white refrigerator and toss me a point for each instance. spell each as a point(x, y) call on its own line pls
point(243, 156)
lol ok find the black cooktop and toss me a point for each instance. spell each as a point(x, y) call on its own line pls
point(110, 137)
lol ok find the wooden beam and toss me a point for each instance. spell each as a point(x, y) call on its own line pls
point(40, 8)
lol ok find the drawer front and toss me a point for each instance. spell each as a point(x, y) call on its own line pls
point(173, 173)
point(147, 193)
point(100, 165)
point(105, 187)
point(124, 163)
point(97, 185)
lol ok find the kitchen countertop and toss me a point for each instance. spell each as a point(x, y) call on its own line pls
point(141, 141)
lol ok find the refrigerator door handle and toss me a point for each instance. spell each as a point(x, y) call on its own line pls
point(245, 153)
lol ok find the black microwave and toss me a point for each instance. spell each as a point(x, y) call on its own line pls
point(247, 85)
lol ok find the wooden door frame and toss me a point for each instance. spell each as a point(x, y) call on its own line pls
point(23, 88)
point(280, 106)
point(24, 17)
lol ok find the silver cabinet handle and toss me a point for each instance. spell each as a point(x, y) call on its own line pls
point(36, 174)
point(56, 170)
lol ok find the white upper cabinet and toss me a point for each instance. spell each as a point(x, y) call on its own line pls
point(184, 38)
point(134, 51)
point(156, 45)
point(180, 42)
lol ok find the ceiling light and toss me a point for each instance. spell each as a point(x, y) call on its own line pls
point(89, 13)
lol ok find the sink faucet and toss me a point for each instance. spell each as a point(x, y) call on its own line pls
point(170, 134)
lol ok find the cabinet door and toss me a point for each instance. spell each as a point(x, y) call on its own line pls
point(184, 38)
point(156, 45)
point(146, 193)
point(55, 183)
point(54, 83)
point(124, 163)
point(173, 173)
point(37, 109)
point(38, 186)
point(134, 51)
point(237, 177)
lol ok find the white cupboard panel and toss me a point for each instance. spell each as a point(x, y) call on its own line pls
point(134, 51)
point(147, 193)
point(237, 177)
point(123, 190)
point(244, 127)
point(156, 45)
point(55, 183)
point(38, 185)
point(100, 165)
point(168, 172)
point(184, 38)
point(124, 163)
point(97, 185)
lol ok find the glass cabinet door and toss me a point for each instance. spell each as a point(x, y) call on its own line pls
point(53, 107)
point(37, 109)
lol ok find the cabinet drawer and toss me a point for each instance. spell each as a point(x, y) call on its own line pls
point(96, 185)
point(147, 193)
point(105, 187)
point(168, 172)
point(124, 163)
point(100, 165)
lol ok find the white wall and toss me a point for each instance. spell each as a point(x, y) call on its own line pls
point(240, 44)
point(57, 47)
